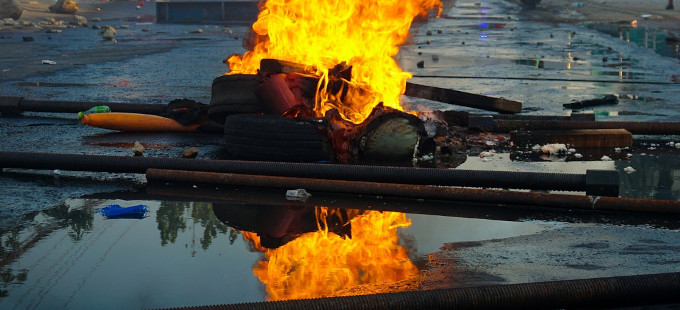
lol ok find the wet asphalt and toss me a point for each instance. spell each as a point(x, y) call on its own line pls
point(481, 47)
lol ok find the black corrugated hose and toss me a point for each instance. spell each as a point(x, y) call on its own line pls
point(622, 291)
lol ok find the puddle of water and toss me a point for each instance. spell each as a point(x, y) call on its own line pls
point(191, 253)
point(654, 39)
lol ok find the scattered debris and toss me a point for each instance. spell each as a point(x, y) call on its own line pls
point(554, 148)
point(190, 153)
point(489, 153)
point(420, 64)
point(298, 194)
point(107, 32)
point(199, 30)
point(608, 99)
point(79, 20)
point(9, 22)
point(49, 62)
point(116, 211)
point(96, 19)
point(605, 158)
point(138, 149)
point(53, 31)
point(64, 7)
point(629, 170)
point(578, 155)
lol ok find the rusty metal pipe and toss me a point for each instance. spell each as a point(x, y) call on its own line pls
point(638, 128)
point(14, 105)
point(498, 197)
point(594, 182)
point(610, 292)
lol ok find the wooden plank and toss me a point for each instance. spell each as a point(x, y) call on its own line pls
point(574, 138)
point(456, 97)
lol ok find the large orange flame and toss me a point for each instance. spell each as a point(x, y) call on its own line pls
point(364, 34)
point(321, 263)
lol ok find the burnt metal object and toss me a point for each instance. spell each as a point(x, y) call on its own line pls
point(387, 174)
point(595, 293)
point(545, 200)
point(15, 105)
point(608, 99)
point(465, 99)
point(636, 128)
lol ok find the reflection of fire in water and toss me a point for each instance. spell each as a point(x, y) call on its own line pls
point(318, 264)
point(364, 34)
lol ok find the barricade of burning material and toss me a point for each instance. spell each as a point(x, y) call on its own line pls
point(292, 90)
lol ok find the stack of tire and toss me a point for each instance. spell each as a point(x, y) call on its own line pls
point(251, 134)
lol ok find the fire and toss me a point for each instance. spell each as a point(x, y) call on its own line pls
point(364, 34)
point(318, 264)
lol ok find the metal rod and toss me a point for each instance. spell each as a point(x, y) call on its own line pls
point(558, 201)
point(610, 292)
point(596, 182)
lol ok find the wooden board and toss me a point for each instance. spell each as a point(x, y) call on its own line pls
point(134, 122)
point(574, 138)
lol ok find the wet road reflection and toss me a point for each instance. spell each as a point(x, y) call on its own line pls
point(195, 253)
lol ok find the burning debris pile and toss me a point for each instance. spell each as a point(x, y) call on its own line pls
point(331, 65)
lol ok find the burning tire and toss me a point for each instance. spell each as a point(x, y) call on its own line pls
point(274, 138)
point(233, 94)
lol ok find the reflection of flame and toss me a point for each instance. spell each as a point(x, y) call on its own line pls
point(364, 34)
point(318, 264)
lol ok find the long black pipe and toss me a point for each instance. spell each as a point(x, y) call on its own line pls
point(611, 292)
point(594, 182)
point(15, 105)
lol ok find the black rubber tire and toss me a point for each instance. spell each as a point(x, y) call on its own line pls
point(274, 138)
point(233, 94)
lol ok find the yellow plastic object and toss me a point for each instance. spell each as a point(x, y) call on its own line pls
point(135, 122)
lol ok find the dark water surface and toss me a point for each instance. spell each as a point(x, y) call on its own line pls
point(181, 254)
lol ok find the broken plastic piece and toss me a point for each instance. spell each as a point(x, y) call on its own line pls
point(298, 194)
point(49, 62)
point(116, 211)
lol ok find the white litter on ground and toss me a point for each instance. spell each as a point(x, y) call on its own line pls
point(629, 170)
point(487, 153)
point(298, 194)
point(605, 158)
point(578, 155)
point(555, 148)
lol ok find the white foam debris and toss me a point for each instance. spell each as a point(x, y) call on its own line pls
point(677, 145)
point(555, 148)
point(578, 155)
point(629, 170)
point(572, 150)
point(629, 155)
point(617, 149)
point(671, 144)
point(487, 153)
point(536, 148)
point(605, 158)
